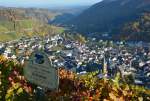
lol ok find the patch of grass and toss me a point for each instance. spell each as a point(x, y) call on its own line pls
point(7, 24)
point(58, 29)
point(24, 24)
point(9, 36)
point(3, 29)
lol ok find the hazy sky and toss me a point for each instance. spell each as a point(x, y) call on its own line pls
point(45, 3)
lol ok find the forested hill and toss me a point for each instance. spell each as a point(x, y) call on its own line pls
point(136, 30)
point(109, 15)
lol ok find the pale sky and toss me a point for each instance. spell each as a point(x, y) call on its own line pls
point(46, 3)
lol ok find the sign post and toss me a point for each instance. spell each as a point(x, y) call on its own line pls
point(39, 71)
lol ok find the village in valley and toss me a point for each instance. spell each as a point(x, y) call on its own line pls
point(130, 59)
point(75, 50)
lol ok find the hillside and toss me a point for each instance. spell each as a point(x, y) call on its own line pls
point(136, 30)
point(66, 14)
point(109, 15)
point(19, 22)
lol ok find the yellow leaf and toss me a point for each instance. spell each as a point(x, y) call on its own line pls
point(16, 85)
point(112, 96)
point(127, 87)
point(125, 93)
point(140, 99)
point(10, 91)
point(20, 90)
point(9, 95)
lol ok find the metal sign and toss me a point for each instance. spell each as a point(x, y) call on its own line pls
point(39, 71)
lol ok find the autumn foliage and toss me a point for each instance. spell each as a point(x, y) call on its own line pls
point(72, 87)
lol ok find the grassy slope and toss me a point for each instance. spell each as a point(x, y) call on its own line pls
point(25, 23)
point(24, 28)
point(7, 31)
point(9, 36)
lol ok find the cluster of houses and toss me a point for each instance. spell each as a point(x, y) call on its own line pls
point(107, 57)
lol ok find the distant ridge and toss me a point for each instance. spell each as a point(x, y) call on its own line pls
point(109, 15)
